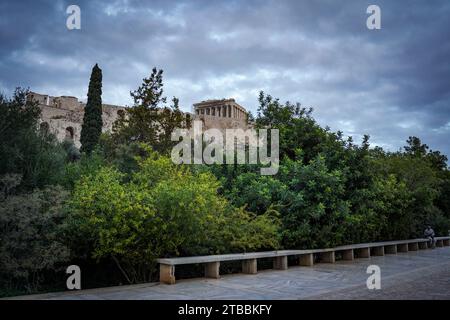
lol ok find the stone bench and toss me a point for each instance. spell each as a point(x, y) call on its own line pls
point(305, 257)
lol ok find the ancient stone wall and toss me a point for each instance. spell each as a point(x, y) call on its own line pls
point(64, 115)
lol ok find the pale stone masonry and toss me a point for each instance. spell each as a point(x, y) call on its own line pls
point(64, 115)
point(221, 114)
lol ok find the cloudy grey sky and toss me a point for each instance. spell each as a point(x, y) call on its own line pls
point(389, 83)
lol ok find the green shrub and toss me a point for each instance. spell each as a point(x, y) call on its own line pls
point(30, 241)
point(165, 210)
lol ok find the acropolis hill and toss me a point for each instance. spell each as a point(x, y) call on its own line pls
point(64, 115)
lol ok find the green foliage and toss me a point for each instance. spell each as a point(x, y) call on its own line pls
point(91, 128)
point(165, 210)
point(129, 204)
point(30, 241)
point(415, 203)
point(308, 198)
point(122, 156)
point(330, 191)
point(73, 153)
point(87, 164)
point(24, 149)
point(317, 209)
point(150, 120)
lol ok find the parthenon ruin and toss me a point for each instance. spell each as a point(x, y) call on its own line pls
point(221, 114)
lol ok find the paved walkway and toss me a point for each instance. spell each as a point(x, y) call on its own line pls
point(423, 274)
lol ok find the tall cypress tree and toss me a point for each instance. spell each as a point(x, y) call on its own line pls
point(92, 121)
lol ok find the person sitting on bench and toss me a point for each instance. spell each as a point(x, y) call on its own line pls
point(429, 234)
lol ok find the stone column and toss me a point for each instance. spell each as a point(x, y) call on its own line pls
point(212, 270)
point(166, 274)
point(414, 246)
point(249, 266)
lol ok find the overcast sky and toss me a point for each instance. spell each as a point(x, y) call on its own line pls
point(390, 83)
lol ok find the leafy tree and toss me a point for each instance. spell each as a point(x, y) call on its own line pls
point(165, 210)
point(421, 183)
point(377, 195)
point(86, 165)
point(33, 153)
point(415, 148)
point(91, 128)
point(150, 120)
point(30, 241)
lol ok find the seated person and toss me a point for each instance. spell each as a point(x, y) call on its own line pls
point(429, 234)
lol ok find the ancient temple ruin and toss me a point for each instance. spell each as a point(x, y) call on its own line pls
point(64, 115)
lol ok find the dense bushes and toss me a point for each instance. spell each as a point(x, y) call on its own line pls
point(125, 203)
point(330, 191)
point(165, 210)
point(30, 239)
point(25, 148)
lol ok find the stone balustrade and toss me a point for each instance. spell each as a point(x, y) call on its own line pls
point(305, 257)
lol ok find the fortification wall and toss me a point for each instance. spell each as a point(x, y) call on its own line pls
point(64, 115)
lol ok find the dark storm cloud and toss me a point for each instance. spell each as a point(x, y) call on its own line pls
point(390, 83)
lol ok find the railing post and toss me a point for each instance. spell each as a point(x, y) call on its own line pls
point(167, 273)
point(212, 270)
point(250, 266)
